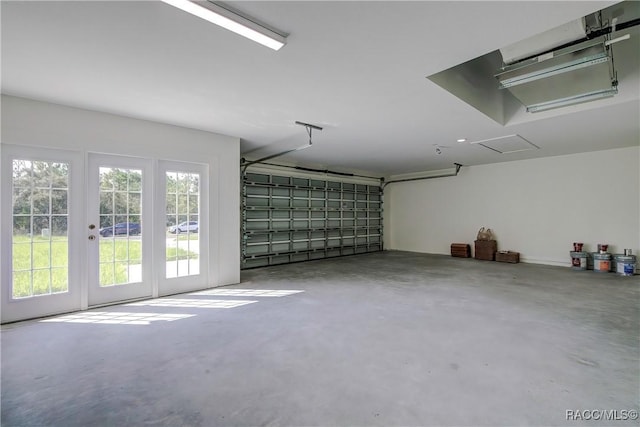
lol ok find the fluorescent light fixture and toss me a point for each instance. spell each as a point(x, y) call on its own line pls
point(557, 103)
point(231, 21)
point(573, 75)
point(462, 140)
point(555, 70)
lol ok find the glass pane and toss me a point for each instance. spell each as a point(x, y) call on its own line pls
point(59, 254)
point(183, 207)
point(194, 187)
point(58, 201)
point(106, 202)
point(120, 203)
point(122, 273)
point(40, 225)
point(171, 204)
point(106, 183)
point(107, 248)
point(171, 182)
point(41, 175)
point(59, 175)
point(193, 203)
point(21, 201)
point(41, 282)
point(106, 274)
point(119, 179)
point(22, 173)
point(135, 180)
point(58, 227)
point(105, 221)
point(183, 268)
point(182, 216)
point(135, 203)
point(41, 255)
point(21, 253)
point(40, 207)
point(135, 225)
point(121, 252)
point(59, 280)
point(121, 209)
point(22, 284)
point(40, 201)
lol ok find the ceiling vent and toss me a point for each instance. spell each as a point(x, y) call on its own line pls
point(507, 144)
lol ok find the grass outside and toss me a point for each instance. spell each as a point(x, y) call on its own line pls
point(40, 264)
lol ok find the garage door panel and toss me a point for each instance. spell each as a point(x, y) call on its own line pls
point(307, 218)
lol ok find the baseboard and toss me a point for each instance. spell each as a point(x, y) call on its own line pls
point(524, 259)
point(546, 261)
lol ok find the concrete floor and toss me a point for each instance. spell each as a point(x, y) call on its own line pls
point(382, 339)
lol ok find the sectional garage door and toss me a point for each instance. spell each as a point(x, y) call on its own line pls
point(289, 219)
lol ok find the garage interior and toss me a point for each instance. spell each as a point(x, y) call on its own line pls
point(289, 211)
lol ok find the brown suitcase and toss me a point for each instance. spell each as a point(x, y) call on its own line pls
point(461, 250)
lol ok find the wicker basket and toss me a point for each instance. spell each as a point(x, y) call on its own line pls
point(486, 250)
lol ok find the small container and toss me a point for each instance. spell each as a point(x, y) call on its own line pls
point(628, 252)
point(602, 248)
point(625, 265)
point(601, 262)
point(579, 260)
point(577, 247)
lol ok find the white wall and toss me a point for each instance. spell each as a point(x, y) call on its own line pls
point(536, 207)
point(33, 123)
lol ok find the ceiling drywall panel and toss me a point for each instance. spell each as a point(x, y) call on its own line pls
point(358, 69)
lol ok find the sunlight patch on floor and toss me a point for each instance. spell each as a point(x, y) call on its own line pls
point(191, 303)
point(248, 292)
point(118, 318)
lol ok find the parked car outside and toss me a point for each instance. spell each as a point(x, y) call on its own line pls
point(183, 227)
point(130, 228)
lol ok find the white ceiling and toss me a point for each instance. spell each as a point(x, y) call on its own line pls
point(358, 69)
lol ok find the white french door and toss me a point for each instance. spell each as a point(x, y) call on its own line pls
point(182, 214)
point(42, 253)
point(81, 230)
point(119, 229)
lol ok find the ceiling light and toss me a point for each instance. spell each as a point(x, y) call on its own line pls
point(571, 101)
point(462, 140)
point(555, 69)
point(232, 21)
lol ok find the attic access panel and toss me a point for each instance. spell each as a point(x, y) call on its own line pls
point(507, 144)
point(575, 74)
